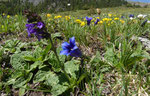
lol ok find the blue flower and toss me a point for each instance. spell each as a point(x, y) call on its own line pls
point(143, 24)
point(40, 25)
point(96, 22)
point(88, 20)
point(131, 16)
point(31, 29)
point(70, 48)
point(36, 29)
point(122, 16)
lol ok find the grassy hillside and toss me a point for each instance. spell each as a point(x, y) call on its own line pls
point(116, 10)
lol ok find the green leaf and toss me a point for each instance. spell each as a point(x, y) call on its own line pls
point(11, 45)
point(47, 49)
point(29, 58)
point(22, 81)
point(51, 78)
point(1, 86)
point(55, 35)
point(35, 65)
point(54, 62)
point(110, 56)
point(71, 68)
point(81, 78)
point(61, 57)
point(22, 91)
point(19, 82)
point(40, 76)
point(59, 83)
point(7, 89)
point(14, 76)
point(37, 52)
point(17, 61)
point(1, 73)
point(58, 89)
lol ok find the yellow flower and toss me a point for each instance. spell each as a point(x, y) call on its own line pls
point(56, 17)
point(8, 16)
point(116, 18)
point(82, 24)
point(122, 21)
point(48, 15)
point(110, 15)
point(67, 17)
point(112, 22)
point(2, 26)
point(105, 19)
point(93, 20)
point(97, 17)
point(115, 15)
point(100, 22)
point(16, 15)
point(109, 19)
point(78, 21)
point(3, 14)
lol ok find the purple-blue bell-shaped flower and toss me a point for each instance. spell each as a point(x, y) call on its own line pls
point(35, 25)
point(31, 29)
point(70, 48)
point(143, 24)
point(131, 16)
point(96, 22)
point(36, 29)
point(88, 20)
point(40, 25)
point(122, 17)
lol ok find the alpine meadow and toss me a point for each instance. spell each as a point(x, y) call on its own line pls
point(74, 48)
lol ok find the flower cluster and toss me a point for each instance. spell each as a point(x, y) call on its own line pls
point(35, 25)
point(57, 17)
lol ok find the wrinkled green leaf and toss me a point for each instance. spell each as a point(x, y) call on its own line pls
point(22, 91)
point(72, 68)
point(58, 89)
point(54, 62)
point(40, 76)
point(35, 65)
point(110, 56)
point(22, 81)
point(29, 58)
point(59, 83)
point(55, 35)
point(17, 60)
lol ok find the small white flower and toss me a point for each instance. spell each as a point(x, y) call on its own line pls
point(141, 16)
point(148, 22)
point(131, 18)
point(68, 4)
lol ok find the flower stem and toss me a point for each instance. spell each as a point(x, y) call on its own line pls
point(55, 52)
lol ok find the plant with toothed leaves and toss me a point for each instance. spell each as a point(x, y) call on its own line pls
point(49, 66)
